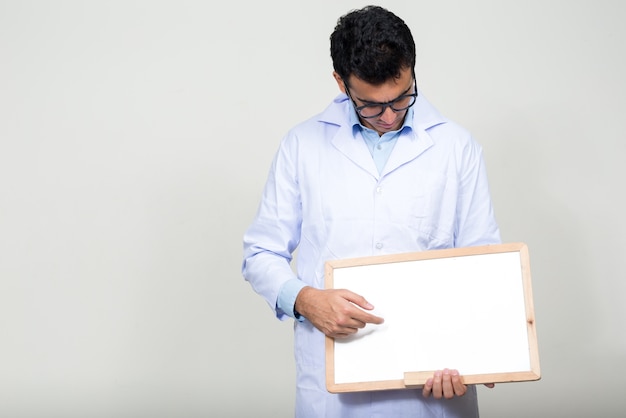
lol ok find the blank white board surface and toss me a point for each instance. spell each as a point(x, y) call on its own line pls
point(468, 309)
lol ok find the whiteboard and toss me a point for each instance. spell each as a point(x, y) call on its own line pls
point(468, 309)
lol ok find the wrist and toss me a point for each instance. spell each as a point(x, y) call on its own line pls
point(287, 297)
point(299, 304)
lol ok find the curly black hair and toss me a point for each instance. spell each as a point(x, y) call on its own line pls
point(372, 44)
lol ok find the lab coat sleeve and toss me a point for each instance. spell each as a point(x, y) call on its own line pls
point(476, 223)
point(275, 232)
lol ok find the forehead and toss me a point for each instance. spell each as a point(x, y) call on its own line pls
point(384, 92)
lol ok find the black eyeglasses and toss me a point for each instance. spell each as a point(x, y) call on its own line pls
point(372, 110)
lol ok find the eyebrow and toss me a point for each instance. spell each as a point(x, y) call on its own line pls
point(369, 102)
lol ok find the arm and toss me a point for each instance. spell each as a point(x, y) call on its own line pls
point(476, 224)
point(269, 243)
point(274, 234)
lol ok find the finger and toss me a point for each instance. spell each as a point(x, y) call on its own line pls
point(348, 323)
point(339, 328)
point(490, 385)
point(457, 383)
point(357, 300)
point(437, 382)
point(358, 309)
point(446, 385)
point(362, 303)
point(428, 387)
point(367, 318)
point(344, 330)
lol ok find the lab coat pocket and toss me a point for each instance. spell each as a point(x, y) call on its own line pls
point(432, 214)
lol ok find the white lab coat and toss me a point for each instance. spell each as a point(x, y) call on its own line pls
point(325, 196)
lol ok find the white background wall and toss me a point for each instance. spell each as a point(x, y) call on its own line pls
point(135, 137)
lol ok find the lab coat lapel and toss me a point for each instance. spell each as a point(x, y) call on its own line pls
point(408, 147)
point(355, 149)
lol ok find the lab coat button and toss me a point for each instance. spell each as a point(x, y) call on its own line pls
point(379, 190)
point(379, 245)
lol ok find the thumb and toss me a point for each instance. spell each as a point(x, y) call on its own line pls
point(358, 300)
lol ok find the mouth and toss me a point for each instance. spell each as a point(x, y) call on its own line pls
point(386, 126)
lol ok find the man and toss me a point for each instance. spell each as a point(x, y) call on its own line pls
point(379, 171)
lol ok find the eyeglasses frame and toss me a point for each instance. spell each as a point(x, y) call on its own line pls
point(384, 105)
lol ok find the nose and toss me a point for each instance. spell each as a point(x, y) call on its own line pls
point(388, 115)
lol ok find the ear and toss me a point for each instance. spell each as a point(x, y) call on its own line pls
point(339, 81)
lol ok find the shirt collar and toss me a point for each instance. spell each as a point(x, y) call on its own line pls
point(358, 126)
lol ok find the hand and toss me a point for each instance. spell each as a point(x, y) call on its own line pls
point(446, 384)
point(336, 312)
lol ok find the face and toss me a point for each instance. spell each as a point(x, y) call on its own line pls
point(363, 94)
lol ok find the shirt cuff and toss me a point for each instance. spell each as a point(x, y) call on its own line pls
point(287, 297)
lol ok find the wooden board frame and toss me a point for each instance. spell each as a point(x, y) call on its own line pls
point(525, 367)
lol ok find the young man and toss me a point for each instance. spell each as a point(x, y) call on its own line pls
point(379, 171)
